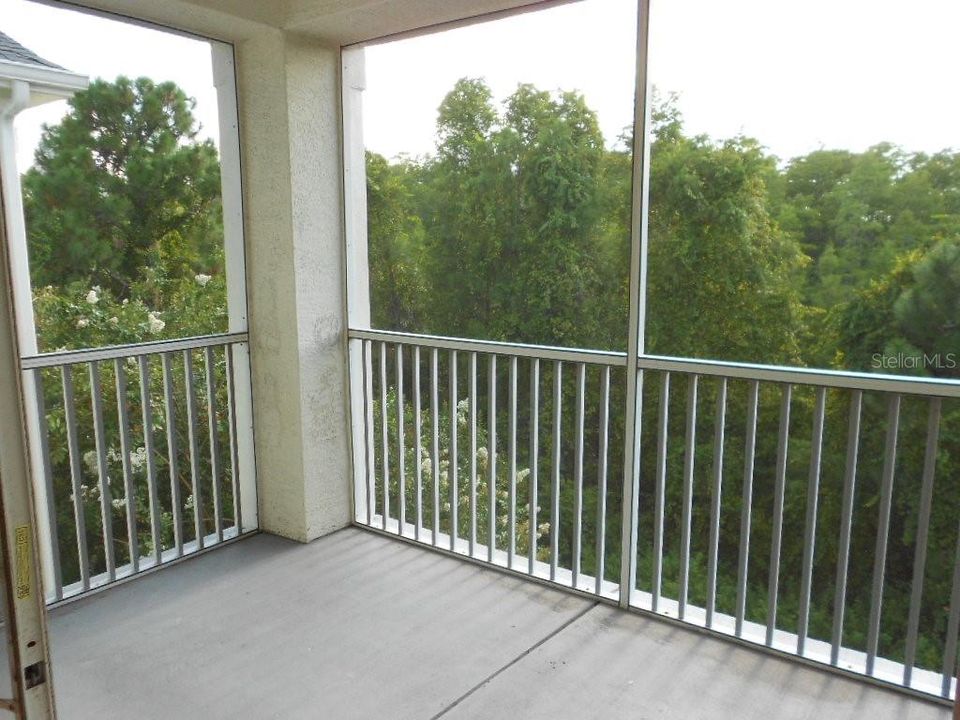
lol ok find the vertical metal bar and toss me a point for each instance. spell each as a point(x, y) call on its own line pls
point(512, 488)
point(435, 440)
point(555, 470)
point(384, 435)
point(718, 439)
point(154, 501)
point(473, 452)
point(47, 468)
point(846, 524)
point(234, 441)
point(661, 490)
point(534, 459)
point(689, 458)
point(883, 531)
point(418, 443)
point(454, 461)
point(73, 448)
point(193, 437)
point(923, 530)
point(578, 475)
point(213, 426)
point(169, 409)
point(369, 429)
point(640, 186)
point(953, 626)
point(492, 458)
point(810, 524)
point(743, 564)
point(401, 450)
point(106, 508)
point(126, 446)
point(779, 489)
point(602, 477)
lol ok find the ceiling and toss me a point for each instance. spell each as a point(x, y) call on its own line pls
point(339, 22)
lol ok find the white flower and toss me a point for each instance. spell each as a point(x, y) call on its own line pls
point(82, 323)
point(154, 323)
point(523, 475)
point(119, 503)
point(138, 457)
point(92, 297)
point(188, 503)
point(201, 279)
point(125, 302)
point(90, 460)
point(114, 321)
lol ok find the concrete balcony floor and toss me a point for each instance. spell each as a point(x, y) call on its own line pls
point(356, 625)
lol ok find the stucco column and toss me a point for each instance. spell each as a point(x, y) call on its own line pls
point(290, 137)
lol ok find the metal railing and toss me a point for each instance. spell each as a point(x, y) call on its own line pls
point(138, 457)
point(792, 509)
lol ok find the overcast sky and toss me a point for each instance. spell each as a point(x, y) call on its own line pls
point(94, 46)
point(796, 75)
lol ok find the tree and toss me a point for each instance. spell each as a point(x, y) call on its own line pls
point(121, 184)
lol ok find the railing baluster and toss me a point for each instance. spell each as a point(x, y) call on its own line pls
point(401, 459)
point(846, 524)
point(213, 426)
point(883, 531)
point(435, 440)
point(170, 412)
point(602, 477)
point(953, 627)
point(73, 449)
point(126, 447)
point(369, 429)
point(743, 564)
point(47, 467)
point(418, 443)
point(779, 488)
point(153, 499)
point(234, 449)
point(661, 490)
point(689, 458)
point(718, 439)
point(555, 470)
point(492, 458)
point(534, 459)
point(384, 436)
point(923, 529)
point(193, 436)
point(473, 452)
point(810, 523)
point(106, 509)
point(578, 475)
point(512, 488)
point(454, 471)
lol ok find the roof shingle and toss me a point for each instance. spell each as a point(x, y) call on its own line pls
point(12, 51)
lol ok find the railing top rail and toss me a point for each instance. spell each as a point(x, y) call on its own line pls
point(901, 384)
point(904, 384)
point(494, 347)
point(73, 357)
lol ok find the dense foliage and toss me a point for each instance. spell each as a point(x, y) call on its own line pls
point(517, 229)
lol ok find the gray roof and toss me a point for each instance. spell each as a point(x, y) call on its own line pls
point(12, 51)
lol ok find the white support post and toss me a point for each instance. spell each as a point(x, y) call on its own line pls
point(224, 78)
point(637, 316)
point(23, 312)
point(353, 83)
point(24, 606)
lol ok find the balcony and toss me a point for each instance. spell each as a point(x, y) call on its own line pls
point(414, 612)
point(357, 625)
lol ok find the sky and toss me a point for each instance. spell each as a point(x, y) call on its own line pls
point(797, 76)
point(101, 48)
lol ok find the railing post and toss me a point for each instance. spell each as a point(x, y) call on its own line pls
point(637, 314)
point(357, 283)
